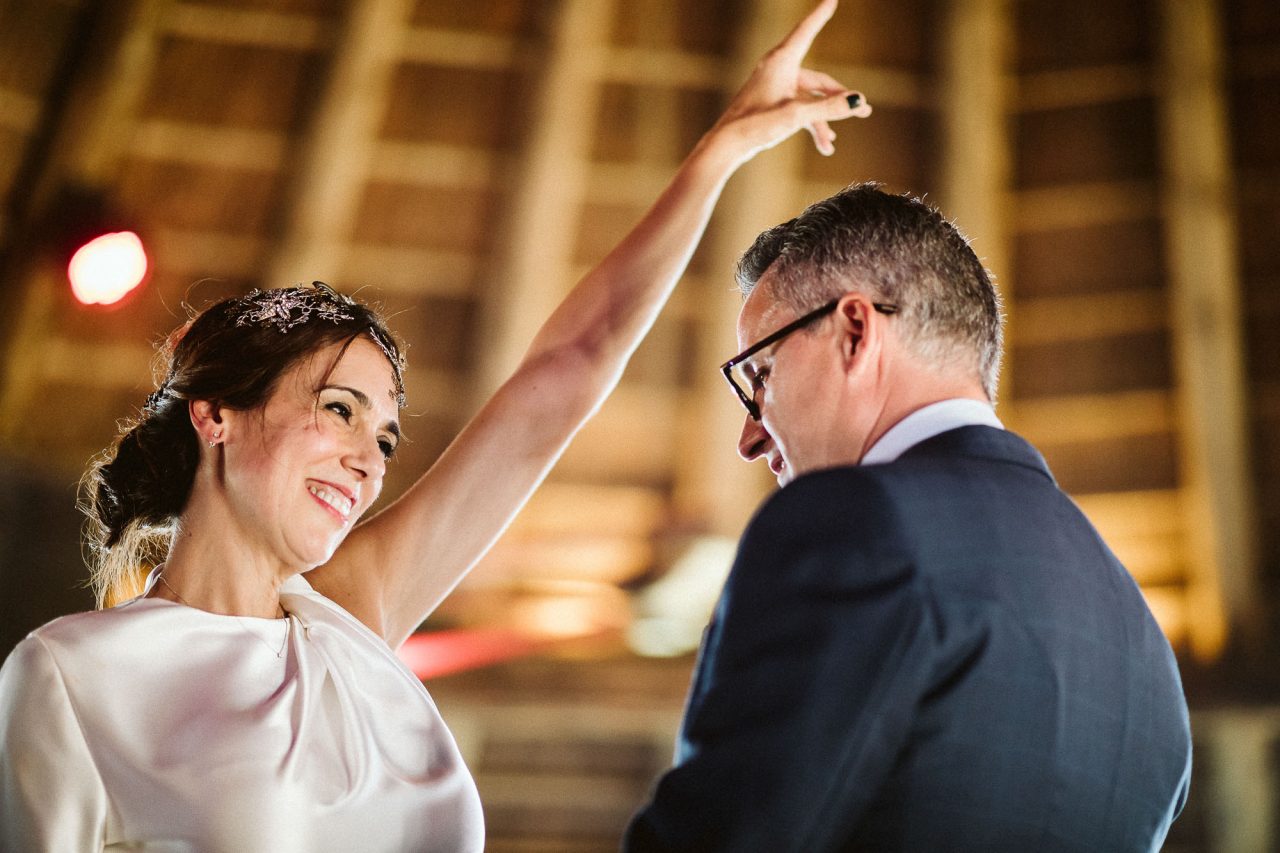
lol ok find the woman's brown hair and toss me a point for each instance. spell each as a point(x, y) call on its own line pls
point(233, 353)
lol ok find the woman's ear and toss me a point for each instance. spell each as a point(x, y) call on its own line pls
point(206, 418)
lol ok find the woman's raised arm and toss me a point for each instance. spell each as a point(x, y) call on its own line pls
point(398, 565)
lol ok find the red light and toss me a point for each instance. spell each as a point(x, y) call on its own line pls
point(104, 270)
point(446, 652)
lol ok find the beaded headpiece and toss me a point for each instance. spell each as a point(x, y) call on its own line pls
point(286, 308)
point(292, 306)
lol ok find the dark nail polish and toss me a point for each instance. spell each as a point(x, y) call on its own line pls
point(855, 101)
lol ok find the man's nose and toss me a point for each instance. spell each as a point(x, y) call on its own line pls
point(754, 440)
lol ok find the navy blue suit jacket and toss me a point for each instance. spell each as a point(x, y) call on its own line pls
point(935, 654)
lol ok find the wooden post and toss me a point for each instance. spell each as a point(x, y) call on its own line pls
point(973, 109)
point(1208, 349)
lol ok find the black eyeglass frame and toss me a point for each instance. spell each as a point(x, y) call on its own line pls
point(748, 401)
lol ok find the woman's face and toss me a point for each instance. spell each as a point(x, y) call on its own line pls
point(302, 470)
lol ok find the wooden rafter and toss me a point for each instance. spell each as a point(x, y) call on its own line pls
point(333, 158)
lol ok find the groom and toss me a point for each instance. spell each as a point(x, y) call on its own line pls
point(923, 644)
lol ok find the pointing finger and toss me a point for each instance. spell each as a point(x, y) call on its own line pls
point(797, 44)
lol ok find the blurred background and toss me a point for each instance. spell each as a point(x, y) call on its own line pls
point(462, 162)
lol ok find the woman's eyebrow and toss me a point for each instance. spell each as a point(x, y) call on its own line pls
point(363, 399)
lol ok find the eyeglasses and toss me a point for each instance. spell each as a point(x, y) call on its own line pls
point(742, 375)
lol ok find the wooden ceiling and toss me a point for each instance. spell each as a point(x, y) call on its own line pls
point(462, 162)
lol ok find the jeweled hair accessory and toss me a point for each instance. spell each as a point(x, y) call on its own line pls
point(292, 306)
point(156, 398)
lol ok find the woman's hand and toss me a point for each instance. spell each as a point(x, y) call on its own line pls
point(781, 96)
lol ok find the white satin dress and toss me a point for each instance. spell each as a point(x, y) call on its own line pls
point(154, 726)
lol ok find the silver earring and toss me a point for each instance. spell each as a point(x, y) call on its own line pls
point(213, 442)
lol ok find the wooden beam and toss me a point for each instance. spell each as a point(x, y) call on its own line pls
point(1207, 333)
point(1081, 87)
point(1090, 417)
point(197, 253)
point(221, 25)
point(714, 488)
point(535, 255)
point(411, 271)
point(1088, 316)
point(83, 145)
point(209, 145)
point(332, 159)
point(651, 66)
point(435, 164)
point(459, 49)
point(976, 149)
point(1080, 205)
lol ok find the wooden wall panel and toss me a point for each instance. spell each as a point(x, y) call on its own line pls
point(196, 197)
point(459, 106)
point(1053, 35)
point(440, 331)
point(455, 219)
point(1121, 464)
point(625, 127)
point(1255, 103)
point(1259, 248)
point(1099, 142)
point(487, 16)
point(1104, 258)
point(1082, 366)
point(705, 27)
point(239, 85)
point(600, 227)
point(870, 33)
point(897, 148)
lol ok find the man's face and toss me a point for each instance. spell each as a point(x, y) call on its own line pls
point(799, 386)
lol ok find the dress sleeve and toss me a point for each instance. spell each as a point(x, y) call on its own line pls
point(51, 794)
point(804, 697)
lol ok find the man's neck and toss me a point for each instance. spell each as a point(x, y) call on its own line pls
point(925, 423)
point(922, 390)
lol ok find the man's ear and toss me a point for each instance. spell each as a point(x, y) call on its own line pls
point(860, 329)
point(206, 417)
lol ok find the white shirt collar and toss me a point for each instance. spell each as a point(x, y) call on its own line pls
point(927, 422)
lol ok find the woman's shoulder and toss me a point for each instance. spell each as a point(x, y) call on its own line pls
point(94, 629)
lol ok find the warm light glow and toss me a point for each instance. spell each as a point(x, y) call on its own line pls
point(104, 270)
point(447, 652)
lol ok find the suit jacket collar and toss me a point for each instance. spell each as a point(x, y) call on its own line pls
point(981, 442)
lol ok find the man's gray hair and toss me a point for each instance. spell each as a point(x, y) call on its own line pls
point(894, 249)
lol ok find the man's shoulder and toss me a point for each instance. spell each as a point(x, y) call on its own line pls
point(825, 498)
point(845, 516)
